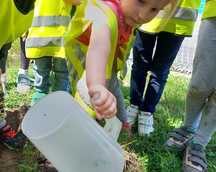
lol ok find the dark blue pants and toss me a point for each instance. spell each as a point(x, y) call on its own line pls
point(24, 61)
point(3, 56)
point(158, 64)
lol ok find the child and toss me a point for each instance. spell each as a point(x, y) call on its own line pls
point(200, 121)
point(98, 38)
point(165, 44)
point(13, 13)
point(45, 45)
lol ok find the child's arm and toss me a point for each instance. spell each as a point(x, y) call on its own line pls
point(102, 99)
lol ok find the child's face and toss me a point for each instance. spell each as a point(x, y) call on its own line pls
point(138, 12)
point(73, 2)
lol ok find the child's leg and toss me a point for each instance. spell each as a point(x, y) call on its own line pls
point(203, 82)
point(201, 93)
point(61, 76)
point(167, 47)
point(2, 112)
point(23, 80)
point(195, 155)
point(207, 125)
point(42, 68)
point(142, 58)
point(166, 50)
point(24, 61)
point(113, 86)
point(3, 60)
point(3, 56)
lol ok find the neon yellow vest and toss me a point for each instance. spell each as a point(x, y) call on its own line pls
point(181, 23)
point(51, 18)
point(210, 9)
point(76, 51)
point(12, 22)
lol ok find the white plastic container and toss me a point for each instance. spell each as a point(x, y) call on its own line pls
point(113, 128)
point(69, 138)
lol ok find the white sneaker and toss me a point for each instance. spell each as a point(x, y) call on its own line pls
point(145, 123)
point(132, 114)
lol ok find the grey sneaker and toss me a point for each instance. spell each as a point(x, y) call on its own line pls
point(23, 83)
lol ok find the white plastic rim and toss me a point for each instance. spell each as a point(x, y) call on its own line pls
point(38, 122)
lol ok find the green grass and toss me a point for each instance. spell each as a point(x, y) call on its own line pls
point(150, 150)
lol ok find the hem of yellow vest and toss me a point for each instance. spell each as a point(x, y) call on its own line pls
point(39, 57)
point(206, 18)
point(155, 33)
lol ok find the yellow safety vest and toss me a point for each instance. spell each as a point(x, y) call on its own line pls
point(12, 22)
point(76, 51)
point(181, 23)
point(210, 9)
point(45, 38)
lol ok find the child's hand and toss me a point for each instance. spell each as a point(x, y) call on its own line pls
point(103, 101)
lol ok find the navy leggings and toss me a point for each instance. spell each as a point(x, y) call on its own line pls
point(157, 62)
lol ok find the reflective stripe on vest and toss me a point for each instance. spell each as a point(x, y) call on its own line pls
point(40, 21)
point(182, 22)
point(48, 27)
point(186, 14)
point(45, 41)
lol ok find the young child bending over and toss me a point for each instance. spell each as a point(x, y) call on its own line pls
point(98, 40)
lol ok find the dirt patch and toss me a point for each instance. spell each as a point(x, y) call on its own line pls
point(8, 160)
point(14, 116)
